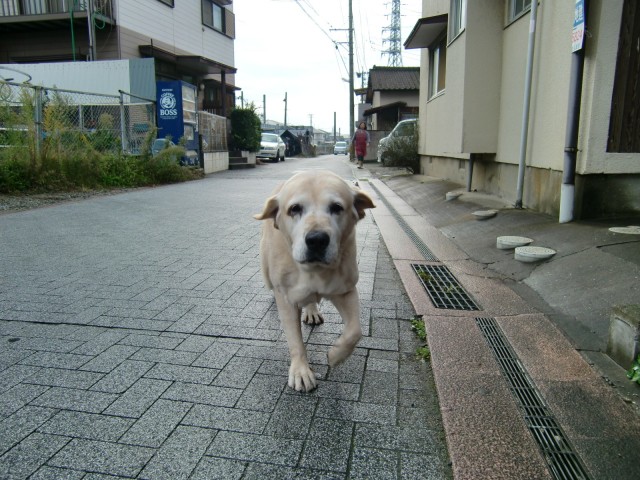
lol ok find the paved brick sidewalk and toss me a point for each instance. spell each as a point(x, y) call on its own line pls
point(138, 341)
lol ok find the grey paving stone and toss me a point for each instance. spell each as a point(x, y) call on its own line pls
point(257, 448)
point(165, 356)
point(292, 417)
point(27, 457)
point(19, 425)
point(420, 466)
point(413, 438)
point(15, 374)
point(262, 393)
point(238, 372)
point(102, 457)
point(75, 399)
point(380, 388)
point(351, 371)
point(132, 323)
point(156, 424)
point(222, 418)
point(18, 396)
point(218, 468)
point(137, 399)
point(216, 356)
point(356, 411)
point(273, 352)
point(370, 463)
point(55, 359)
point(179, 455)
point(195, 343)
point(122, 377)
point(204, 394)
point(259, 471)
point(151, 341)
point(86, 425)
point(328, 445)
point(53, 473)
point(99, 344)
point(164, 371)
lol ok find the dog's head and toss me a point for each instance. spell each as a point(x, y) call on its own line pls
point(316, 211)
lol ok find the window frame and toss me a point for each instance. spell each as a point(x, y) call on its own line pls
point(437, 59)
point(518, 8)
point(457, 18)
point(213, 7)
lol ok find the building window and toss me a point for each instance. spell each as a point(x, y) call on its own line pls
point(518, 7)
point(457, 18)
point(168, 2)
point(437, 66)
point(213, 15)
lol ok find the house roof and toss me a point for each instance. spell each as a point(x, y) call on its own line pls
point(394, 78)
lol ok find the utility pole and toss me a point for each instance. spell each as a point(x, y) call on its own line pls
point(351, 99)
point(264, 109)
point(334, 127)
point(285, 110)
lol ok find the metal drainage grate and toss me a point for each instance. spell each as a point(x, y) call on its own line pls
point(443, 288)
point(562, 460)
point(417, 241)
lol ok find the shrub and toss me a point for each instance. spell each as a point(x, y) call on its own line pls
point(402, 152)
point(15, 173)
point(245, 129)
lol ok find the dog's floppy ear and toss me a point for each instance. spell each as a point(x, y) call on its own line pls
point(361, 201)
point(270, 210)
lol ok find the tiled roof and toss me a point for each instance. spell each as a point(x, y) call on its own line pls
point(394, 78)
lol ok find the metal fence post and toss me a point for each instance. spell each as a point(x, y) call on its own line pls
point(38, 115)
point(123, 131)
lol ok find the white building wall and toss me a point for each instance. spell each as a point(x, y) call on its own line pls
point(179, 27)
point(105, 77)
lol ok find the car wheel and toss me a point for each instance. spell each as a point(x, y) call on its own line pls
point(282, 158)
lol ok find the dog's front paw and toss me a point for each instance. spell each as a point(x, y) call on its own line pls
point(301, 377)
point(311, 315)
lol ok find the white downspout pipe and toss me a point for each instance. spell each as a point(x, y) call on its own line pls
point(524, 132)
point(567, 190)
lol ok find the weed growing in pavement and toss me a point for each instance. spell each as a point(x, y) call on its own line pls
point(419, 328)
point(634, 372)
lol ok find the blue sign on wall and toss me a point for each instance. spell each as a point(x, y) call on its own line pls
point(169, 106)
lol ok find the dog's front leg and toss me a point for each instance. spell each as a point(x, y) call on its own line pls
point(348, 307)
point(301, 377)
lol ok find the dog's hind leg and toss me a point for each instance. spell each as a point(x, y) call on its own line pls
point(311, 314)
point(348, 306)
point(301, 377)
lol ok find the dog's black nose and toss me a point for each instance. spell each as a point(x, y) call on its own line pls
point(317, 241)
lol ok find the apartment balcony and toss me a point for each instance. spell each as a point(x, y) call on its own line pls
point(25, 15)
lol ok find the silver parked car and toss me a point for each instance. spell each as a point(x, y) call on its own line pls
point(340, 148)
point(404, 129)
point(271, 147)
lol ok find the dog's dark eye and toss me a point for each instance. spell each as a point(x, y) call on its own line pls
point(295, 209)
point(336, 208)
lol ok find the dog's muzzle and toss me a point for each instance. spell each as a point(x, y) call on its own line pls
point(317, 243)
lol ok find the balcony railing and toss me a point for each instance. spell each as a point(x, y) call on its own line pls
point(15, 8)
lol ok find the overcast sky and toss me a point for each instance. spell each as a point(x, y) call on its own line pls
point(290, 46)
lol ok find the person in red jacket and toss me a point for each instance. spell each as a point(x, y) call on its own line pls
point(360, 142)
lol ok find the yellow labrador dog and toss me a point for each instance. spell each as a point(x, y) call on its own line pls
point(308, 252)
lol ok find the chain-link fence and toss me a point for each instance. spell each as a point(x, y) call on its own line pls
point(213, 130)
point(56, 120)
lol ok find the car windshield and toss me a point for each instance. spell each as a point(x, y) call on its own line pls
point(270, 137)
point(341, 144)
